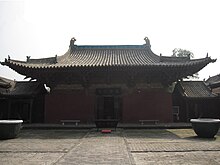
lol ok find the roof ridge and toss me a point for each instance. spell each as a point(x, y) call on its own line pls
point(111, 46)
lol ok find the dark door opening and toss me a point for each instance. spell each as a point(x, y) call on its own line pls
point(108, 107)
point(108, 103)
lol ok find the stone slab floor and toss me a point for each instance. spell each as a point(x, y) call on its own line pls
point(122, 147)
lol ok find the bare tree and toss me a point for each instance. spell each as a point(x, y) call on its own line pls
point(178, 52)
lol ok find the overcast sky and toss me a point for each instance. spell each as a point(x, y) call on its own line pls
point(44, 28)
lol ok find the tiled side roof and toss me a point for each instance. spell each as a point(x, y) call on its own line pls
point(216, 91)
point(214, 83)
point(5, 83)
point(213, 79)
point(25, 89)
point(195, 89)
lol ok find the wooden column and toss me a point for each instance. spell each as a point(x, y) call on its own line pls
point(187, 111)
point(9, 108)
point(31, 106)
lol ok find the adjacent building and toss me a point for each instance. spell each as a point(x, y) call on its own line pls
point(214, 83)
point(193, 99)
point(22, 100)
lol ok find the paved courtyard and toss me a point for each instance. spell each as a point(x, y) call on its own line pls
point(123, 147)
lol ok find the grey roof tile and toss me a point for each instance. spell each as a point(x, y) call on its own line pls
point(195, 89)
point(111, 56)
point(213, 79)
point(99, 56)
point(24, 89)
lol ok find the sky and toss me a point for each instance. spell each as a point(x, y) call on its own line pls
point(43, 28)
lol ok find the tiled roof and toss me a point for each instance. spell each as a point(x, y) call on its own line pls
point(214, 83)
point(213, 80)
point(24, 88)
point(133, 55)
point(102, 56)
point(194, 89)
point(5, 83)
point(216, 90)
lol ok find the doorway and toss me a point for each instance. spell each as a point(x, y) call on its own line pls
point(108, 107)
point(108, 111)
point(108, 103)
point(105, 108)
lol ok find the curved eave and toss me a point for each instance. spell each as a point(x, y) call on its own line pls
point(20, 64)
point(165, 71)
point(170, 71)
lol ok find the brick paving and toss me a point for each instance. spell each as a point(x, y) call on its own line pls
point(38, 146)
point(125, 146)
point(174, 146)
point(98, 148)
point(187, 158)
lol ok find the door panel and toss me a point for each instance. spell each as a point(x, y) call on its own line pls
point(108, 103)
point(109, 112)
point(108, 107)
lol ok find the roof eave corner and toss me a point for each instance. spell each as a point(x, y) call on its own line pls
point(5, 62)
point(213, 60)
point(210, 59)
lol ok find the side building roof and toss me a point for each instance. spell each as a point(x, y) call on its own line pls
point(194, 89)
point(214, 81)
point(23, 89)
point(5, 83)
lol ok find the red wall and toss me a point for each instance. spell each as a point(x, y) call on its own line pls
point(147, 105)
point(69, 105)
point(136, 105)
